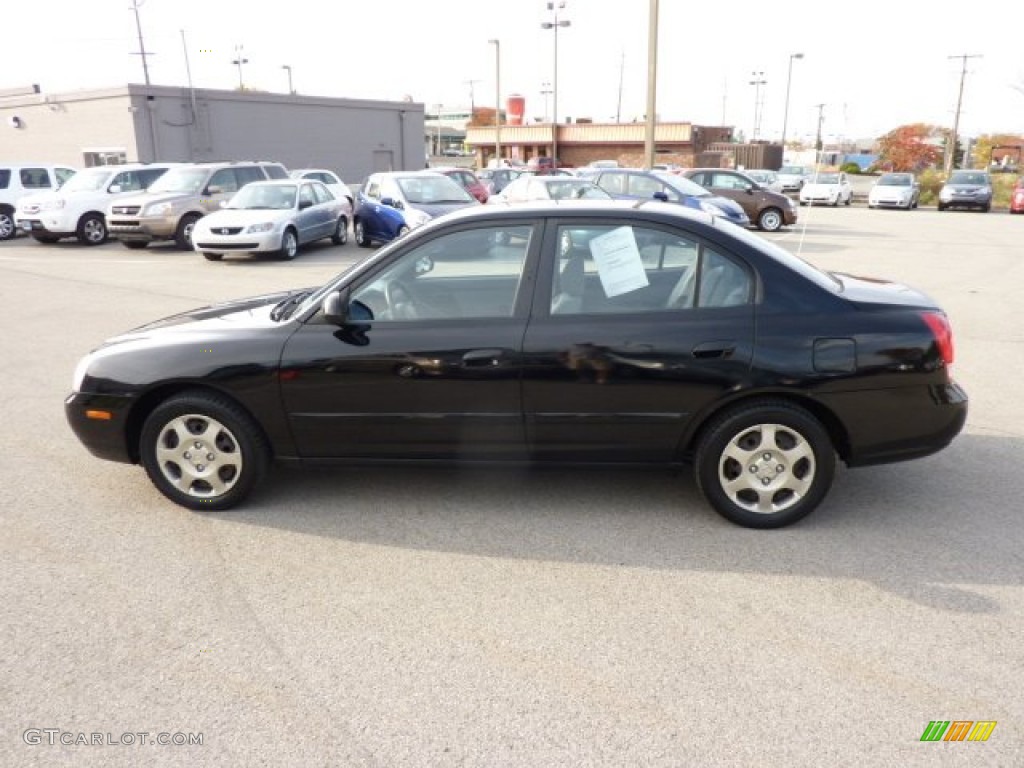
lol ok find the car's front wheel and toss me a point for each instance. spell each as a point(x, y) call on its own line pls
point(134, 245)
point(92, 230)
point(362, 239)
point(183, 235)
point(7, 227)
point(202, 451)
point(765, 464)
point(770, 219)
point(289, 245)
point(212, 256)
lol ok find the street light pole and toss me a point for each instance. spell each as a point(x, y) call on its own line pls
point(142, 45)
point(554, 25)
point(785, 112)
point(652, 83)
point(817, 141)
point(757, 82)
point(545, 91)
point(497, 102)
point(289, 68)
point(239, 61)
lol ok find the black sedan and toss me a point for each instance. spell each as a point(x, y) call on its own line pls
point(597, 332)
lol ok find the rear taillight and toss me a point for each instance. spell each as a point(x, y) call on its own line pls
point(943, 333)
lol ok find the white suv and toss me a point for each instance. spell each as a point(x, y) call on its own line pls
point(77, 209)
point(20, 179)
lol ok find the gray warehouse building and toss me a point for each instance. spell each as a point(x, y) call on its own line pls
point(352, 137)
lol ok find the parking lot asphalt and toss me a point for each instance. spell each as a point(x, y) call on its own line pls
point(441, 617)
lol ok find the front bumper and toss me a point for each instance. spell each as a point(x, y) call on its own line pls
point(242, 242)
point(142, 228)
point(54, 224)
point(105, 438)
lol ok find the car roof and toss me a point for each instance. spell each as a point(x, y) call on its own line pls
point(504, 209)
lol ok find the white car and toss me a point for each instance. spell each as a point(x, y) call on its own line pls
point(273, 217)
point(330, 178)
point(20, 179)
point(77, 208)
point(895, 190)
point(829, 188)
point(792, 177)
point(528, 188)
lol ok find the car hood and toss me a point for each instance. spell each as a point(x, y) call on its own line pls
point(148, 198)
point(965, 187)
point(242, 217)
point(821, 185)
point(241, 314)
point(870, 290)
point(886, 190)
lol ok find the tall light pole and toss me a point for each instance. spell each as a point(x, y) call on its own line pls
point(757, 82)
point(438, 145)
point(288, 67)
point(652, 83)
point(497, 101)
point(142, 45)
point(818, 146)
point(785, 111)
point(951, 145)
point(554, 24)
point(238, 61)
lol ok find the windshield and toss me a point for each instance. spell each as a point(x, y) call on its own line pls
point(968, 177)
point(181, 180)
point(896, 180)
point(89, 180)
point(427, 190)
point(277, 197)
point(827, 178)
point(792, 170)
point(683, 185)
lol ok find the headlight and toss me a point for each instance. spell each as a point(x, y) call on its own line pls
point(711, 208)
point(266, 226)
point(416, 218)
point(158, 209)
point(79, 375)
point(53, 205)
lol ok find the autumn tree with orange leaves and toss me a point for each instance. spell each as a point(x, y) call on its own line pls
point(911, 147)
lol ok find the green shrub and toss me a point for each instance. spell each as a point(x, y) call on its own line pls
point(850, 168)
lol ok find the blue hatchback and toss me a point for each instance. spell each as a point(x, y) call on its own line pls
point(636, 184)
point(391, 204)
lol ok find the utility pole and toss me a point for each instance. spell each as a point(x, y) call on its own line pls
point(472, 97)
point(652, 84)
point(951, 144)
point(622, 68)
point(817, 140)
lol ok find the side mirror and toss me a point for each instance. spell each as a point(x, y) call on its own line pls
point(660, 196)
point(214, 189)
point(114, 189)
point(335, 307)
point(391, 202)
point(304, 204)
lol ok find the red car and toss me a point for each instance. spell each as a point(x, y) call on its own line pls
point(1017, 196)
point(466, 179)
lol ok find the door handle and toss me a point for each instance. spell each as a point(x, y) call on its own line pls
point(479, 358)
point(712, 349)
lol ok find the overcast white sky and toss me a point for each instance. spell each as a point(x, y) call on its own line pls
point(875, 65)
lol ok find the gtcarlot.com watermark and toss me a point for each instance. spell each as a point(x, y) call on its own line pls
point(53, 737)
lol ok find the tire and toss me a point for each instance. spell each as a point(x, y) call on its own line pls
point(362, 239)
point(986, 208)
point(289, 245)
point(942, 207)
point(402, 232)
point(765, 464)
point(340, 236)
point(183, 235)
point(134, 245)
point(91, 230)
point(212, 256)
point(849, 200)
point(46, 239)
point(770, 219)
point(235, 451)
point(8, 229)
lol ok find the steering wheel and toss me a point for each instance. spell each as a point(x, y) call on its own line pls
point(401, 305)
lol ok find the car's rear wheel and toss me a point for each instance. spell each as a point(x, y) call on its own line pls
point(202, 451)
point(362, 239)
point(765, 464)
point(92, 230)
point(289, 245)
point(770, 219)
point(183, 235)
point(212, 256)
point(135, 245)
point(340, 236)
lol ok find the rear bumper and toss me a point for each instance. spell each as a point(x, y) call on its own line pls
point(900, 424)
